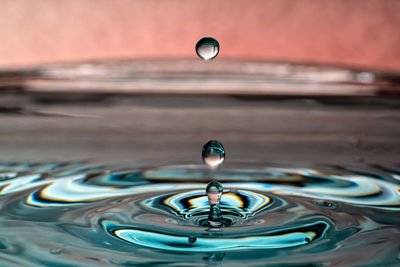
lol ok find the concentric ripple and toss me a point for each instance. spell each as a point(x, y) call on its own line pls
point(135, 215)
point(188, 204)
point(283, 238)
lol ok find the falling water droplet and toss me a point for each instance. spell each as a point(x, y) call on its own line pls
point(213, 153)
point(207, 48)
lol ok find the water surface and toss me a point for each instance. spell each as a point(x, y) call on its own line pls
point(96, 169)
point(84, 214)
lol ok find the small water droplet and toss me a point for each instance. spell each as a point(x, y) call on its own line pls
point(192, 239)
point(55, 251)
point(207, 48)
point(213, 153)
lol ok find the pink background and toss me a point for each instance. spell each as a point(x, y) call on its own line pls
point(353, 32)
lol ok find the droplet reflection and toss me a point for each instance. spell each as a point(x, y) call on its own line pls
point(207, 48)
point(213, 153)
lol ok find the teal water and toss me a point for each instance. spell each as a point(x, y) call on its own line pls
point(86, 214)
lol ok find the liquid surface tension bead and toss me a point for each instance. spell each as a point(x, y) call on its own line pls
point(207, 48)
point(213, 153)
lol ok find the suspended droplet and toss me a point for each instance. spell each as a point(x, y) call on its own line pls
point(213, 153)
point(207, 48)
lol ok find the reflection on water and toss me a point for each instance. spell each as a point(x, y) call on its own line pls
point(78, 213)
point(213, 153)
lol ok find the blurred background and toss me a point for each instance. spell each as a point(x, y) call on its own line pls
point(362, 33)
point(296, 82)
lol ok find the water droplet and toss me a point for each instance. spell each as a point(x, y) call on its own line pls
point(207, 48)
point(192, 239)
point(213, 153)
point(55, 251)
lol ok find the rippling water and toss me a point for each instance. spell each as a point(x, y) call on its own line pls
point(83, 214)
